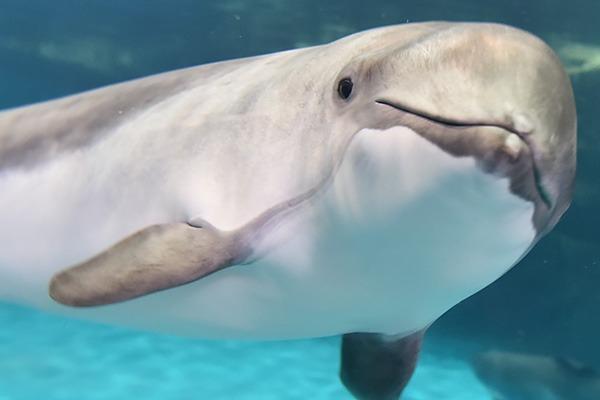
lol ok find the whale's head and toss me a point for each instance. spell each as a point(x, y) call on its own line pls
point(490, 92)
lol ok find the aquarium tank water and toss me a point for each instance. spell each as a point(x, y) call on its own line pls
point(542, 314)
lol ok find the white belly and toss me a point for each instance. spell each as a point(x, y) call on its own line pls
point(404, 233)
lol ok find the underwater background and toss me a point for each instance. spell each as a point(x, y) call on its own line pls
point(548, 304)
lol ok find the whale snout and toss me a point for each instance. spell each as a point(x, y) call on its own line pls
point(481, 90)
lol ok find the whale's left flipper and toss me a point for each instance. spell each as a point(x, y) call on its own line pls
point(155, 258)
point(378, 367)
point(164, 256)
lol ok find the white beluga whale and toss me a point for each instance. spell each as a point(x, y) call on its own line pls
point(521, 376)
point(362, 187)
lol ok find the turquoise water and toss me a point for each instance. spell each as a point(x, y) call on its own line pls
point(546, 305)
point(46, 357)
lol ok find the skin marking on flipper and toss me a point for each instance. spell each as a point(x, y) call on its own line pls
point(155, 258)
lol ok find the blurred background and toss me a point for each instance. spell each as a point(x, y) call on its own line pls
point(548, 304)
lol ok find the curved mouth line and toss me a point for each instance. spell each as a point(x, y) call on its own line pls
point(452, 123)
point(446, 121)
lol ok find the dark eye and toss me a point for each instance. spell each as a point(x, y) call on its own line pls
point(345, 88)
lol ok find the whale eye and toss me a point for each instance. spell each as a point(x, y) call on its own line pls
point(345, 88)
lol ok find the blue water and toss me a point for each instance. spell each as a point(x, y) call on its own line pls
point(52, 358)
point(547, 305)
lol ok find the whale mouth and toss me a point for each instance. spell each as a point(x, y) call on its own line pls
point(504, 142)
point(448, 121)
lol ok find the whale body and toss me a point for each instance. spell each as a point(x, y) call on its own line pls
point(367, 185)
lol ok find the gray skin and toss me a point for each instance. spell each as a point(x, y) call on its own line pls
point(464, 87)
point(518, 376)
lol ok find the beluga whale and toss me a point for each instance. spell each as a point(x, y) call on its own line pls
point(358, 188)
point(522, 376)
